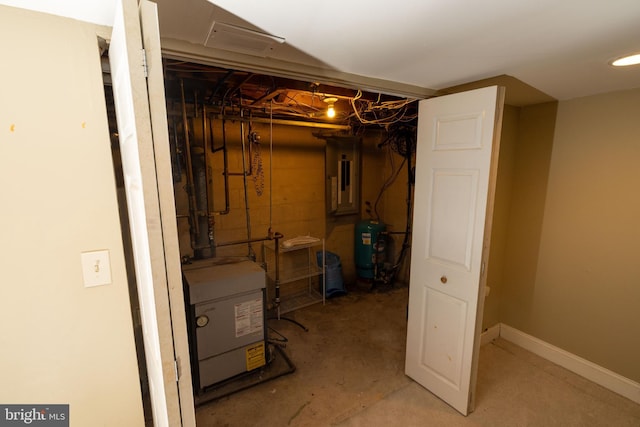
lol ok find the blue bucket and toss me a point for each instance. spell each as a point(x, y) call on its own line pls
point(333, 270)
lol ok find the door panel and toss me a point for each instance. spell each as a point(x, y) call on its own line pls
point(445, 318)
point(455, 169)
point(158, 115)
point(460, 132)
point(453, 200)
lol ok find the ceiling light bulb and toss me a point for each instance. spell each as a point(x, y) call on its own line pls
point(627, 60)
point(331, 112)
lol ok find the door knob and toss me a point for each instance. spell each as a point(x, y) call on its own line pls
point(443, 279)
point(202, 321)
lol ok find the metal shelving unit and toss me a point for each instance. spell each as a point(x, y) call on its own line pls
point(302, 282)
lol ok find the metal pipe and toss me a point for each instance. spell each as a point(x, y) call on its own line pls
point(225, 171)
point(192, 198)
point(245, 241)
point(289, 122)
point(205, 145)
point(270, 163)
point(277, 278)
point(246, 195)
point(272, 236)
point(203, 248)
point(207, 177)
point(176, 164)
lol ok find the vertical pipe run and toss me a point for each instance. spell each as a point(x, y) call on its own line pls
point(208, 140)
point(203, 248)
point(206, 245)
point(270, 164)
point(244, 179)
point(192, 198)
point(225, 172)
point(277, 280)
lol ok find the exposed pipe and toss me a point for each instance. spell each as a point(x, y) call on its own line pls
point(192, 198)
point(292, 123)
point(246, 195)
point(250, 172)
point(203, 248)
point(176, 164)
point(207, 176)
point(275, 236)
point(277, 279)
point(270, 164)
point(271, 236)
point(225, 174)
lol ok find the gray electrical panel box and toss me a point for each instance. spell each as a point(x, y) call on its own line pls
point(226, 319)
point(342, 163)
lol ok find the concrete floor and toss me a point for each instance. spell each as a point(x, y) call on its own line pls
point(350, 372)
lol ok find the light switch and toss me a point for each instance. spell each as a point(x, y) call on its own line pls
point(96, 268)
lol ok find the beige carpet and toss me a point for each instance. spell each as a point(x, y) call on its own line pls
point(516, 388)
point(350, 372)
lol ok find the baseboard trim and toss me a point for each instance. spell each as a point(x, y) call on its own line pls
point(490, 334)
point(589, 370)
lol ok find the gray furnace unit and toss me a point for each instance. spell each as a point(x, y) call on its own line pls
point(226, 319)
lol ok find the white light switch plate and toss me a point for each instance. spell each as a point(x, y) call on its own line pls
point(96, 268)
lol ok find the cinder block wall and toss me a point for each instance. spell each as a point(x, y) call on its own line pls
point(292, 201)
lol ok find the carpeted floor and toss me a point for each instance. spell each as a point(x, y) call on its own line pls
point(350, 372)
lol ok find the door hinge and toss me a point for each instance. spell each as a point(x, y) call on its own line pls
point(176, 365)
point(482, 269)
point(144, 63)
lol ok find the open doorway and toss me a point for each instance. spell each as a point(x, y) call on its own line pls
point(253, 158)
point(258, 148)
point(275, 132)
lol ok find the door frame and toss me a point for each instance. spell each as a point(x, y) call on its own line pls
point(176, 49)
point(151, 209)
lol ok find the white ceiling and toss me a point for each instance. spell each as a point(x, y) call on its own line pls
point(561, 47)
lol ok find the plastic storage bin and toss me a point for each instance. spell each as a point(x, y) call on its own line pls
point(334, 284)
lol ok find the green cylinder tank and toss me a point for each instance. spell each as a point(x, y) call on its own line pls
point(369, 247)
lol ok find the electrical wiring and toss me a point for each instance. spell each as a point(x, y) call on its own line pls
point(282, 341)
point(401, 140)
point(246, 90)
point(401, 107)
point(392, 178)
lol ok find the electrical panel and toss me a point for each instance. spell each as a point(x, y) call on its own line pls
point(342, 162)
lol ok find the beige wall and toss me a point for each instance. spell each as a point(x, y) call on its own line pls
point(531, 159)
point(583, 295)
point(61, 342)
point(504, 183)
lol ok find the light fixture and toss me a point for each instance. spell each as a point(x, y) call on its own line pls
point(331, 112)
point(625, 61)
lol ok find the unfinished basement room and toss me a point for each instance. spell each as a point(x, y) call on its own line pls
point(223, 213)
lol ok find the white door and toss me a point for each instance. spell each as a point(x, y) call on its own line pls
point(160, 127)
point(143, 166)
point(456, 161)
